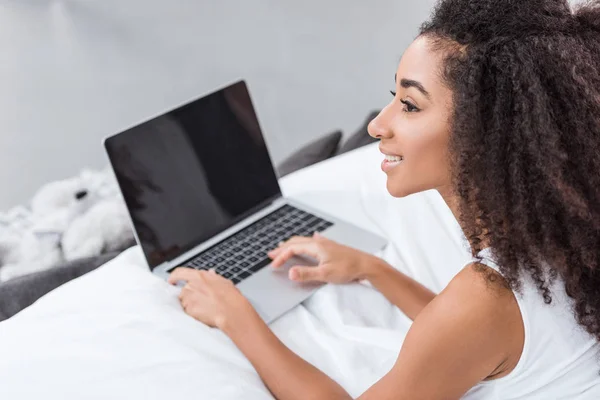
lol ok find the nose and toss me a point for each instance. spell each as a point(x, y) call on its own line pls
point(379, 127)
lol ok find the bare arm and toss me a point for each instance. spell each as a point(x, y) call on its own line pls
point(401, 290)
point(287, 375)
point(454, 343)
point(471, 331)
point(342, 264)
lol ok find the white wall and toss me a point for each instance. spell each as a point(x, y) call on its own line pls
point(74, 71)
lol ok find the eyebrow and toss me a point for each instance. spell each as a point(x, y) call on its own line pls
point(408, 83)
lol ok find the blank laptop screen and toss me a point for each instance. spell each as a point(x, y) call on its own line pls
point(192, 172)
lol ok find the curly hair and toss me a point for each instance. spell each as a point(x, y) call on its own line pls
point(525, 141)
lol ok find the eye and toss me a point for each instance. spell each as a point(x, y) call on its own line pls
point(409, 107)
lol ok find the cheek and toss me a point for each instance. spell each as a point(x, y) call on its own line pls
point(426, 162)
point(429, 153)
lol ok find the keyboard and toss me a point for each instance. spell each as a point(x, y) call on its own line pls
point(241, 255)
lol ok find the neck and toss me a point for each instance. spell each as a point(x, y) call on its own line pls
point(452, 201)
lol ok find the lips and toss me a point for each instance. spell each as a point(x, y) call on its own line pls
point(391, 161)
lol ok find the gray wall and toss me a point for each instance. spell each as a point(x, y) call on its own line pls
point(73, 71)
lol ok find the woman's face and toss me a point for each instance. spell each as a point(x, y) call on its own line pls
point(414, 127)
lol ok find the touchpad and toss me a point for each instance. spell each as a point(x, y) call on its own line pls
point(297, 261)
point(273, 293)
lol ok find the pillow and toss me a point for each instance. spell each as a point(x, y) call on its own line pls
point(312, 153)
point(23, 291)
point(360, 137)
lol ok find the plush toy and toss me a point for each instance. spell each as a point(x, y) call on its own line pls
point(74, 218)
point(103, 228)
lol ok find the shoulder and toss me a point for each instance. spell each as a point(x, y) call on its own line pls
point(471, 331)
point(481, 302)
point(482, 281)
point(478, 309)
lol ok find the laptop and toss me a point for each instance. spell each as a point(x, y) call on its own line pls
point(202, 193)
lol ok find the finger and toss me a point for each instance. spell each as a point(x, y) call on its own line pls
point(307, 274)
point(318, 237)
point(212, 276)
point(199, 282)
point(283, 245)
point(295, 240)
point(273, 253)
point(185, 291)
point(182, 274)
point(308, 248)
point(281, 257)
point(183, 301)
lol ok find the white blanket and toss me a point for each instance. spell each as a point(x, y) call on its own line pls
point(120, 333)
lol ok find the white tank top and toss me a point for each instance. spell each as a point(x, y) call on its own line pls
point(560, 360)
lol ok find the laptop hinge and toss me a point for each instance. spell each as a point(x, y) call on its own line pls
point(162, 265)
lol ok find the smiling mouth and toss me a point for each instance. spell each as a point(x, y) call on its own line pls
point(391, 162)
point(393, 158)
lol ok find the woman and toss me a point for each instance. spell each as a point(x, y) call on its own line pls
point(496, 106)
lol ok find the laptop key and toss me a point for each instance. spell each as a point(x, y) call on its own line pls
point(235, 281)
point(260, 265)
point(244, 275)
point(226, 275)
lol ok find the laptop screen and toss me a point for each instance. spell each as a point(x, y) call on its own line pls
point(193, 172)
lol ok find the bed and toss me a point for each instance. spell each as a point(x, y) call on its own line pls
point(120, 333)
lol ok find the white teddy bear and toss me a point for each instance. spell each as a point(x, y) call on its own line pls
point(74, 218)
point(103, 228)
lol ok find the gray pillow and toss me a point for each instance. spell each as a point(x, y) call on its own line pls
point(314, 152)
point(360, 137)
point(21, 292)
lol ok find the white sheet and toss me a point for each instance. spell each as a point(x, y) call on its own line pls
point(119, 332)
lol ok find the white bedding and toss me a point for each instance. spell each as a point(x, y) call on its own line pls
point(119, 332)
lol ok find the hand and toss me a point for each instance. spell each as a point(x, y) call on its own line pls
point(210, 298)
point(337, 263)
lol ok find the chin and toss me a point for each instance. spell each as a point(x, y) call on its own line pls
point(401, 189)
point(398, 190)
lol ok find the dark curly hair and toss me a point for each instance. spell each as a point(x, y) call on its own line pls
point(525, 142)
